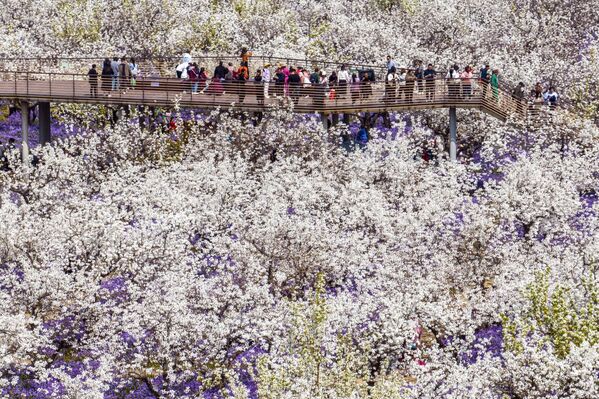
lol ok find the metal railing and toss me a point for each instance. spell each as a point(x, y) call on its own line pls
point(259, 96)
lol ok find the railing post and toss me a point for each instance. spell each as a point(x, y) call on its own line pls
point(73, 86)
point(453, 134)
point(27, 83)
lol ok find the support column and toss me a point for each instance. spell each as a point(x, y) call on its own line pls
point(453, 134)
point(346, 119)
point(44, 119)
point(335, 119)
point(25, 130)
point(325, 121)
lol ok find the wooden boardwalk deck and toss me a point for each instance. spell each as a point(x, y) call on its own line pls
point(248, 96)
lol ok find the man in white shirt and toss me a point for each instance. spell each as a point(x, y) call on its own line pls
point(401, 83)
point(453, 82)
point(343, 79)
point(266, 79)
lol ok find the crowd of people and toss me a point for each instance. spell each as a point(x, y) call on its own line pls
point(115, 75)
point(401, 84)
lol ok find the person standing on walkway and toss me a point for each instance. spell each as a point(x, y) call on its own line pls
point(391, 86)
point(124, 73)
point(410, 84)
point(203, 79)
point(220, 71)
point(551, 97)
point(538, 90)
point(365, 87)
point(419, 73)
point(134, 69)
point(466, 77)
point(429, 78)
point(265, 78)
point(355, 88)
point(106, 75)
point(258, 82)
point(295, 82)
point(245, 57)
point(485, 79)
point(92, 75)
point(495, 84)
point(241, 78)
point(285, 71)
point(453, 82)
point(343, 78)
point(114, 65)
point(193, 73)
point(401, 84)
point(390, 64)
point(519, 95)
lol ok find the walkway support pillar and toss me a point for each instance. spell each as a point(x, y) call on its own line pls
point(25, 130)
point(334, 119)
point(44, 120)
point(325, 121)
point(453, 134)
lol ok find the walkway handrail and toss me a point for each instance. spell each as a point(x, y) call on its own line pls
point(250, 96)
point(255, 61)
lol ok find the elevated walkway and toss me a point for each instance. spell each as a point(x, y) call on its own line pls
point(154, 89)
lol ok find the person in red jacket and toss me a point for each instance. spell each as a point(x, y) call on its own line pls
point(193, 74)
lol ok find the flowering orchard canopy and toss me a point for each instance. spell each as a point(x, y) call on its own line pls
point(219, 257)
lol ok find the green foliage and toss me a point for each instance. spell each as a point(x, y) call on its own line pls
point(342, 374)
point(207, 37)
point(410, 6)
point(75, 29)
point(557, 315)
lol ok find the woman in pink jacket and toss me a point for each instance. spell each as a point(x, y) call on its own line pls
point(466, 78)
